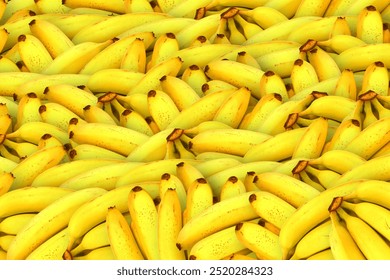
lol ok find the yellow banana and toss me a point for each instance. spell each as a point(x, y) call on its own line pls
point(342, 244)
point(102, 253)
point(366, 238)
point(232, 187)
point(116, 6)
point(29, 168)
point(331, 160)
point(370, 26)
point(249, 29)
point(235, 35)
point(171, 181)
point(339, 43)
point(162, 108)
point(271, 208)
point(338, 7)
point(166, 5)
point(340, 27)
point(271, 83)
point(323, 63)
point(52, 249)
point(169, 225)
point(346, 85)
point(33, 53)
point(344, 134)
point(144, 222)
point(57, 115)
point(49, 221)
point(195, 77)
point(376, 78)
point(52, 37)
point(210, 220)
point(7, 65)
point(237, 74)
point(187, 173)
point(75, 58)
point(325, 178)
point(120, 236)
point(22, 149)
point(217, 246)
point(28, 110)
point(199, 198)
point(235, 142)
point(216, 85)
point(373, 214)
point(310, 8)
point(95, 114)
point(316, 240)
point(107, 136)
point(134, 58)
point(246, 58)
point(264, 16)
point(136, 6)
point(46, 7)
point(187, 8)
point(111, 56)
point(133, 120)
point(303, 75)
point(6, 181)
point(263, 242)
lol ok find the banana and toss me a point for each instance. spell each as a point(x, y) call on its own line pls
point(233, 3)
point(52, 249)
point(361, 232)
point(30, 167)
point(90, 151)
point(303, 75)
point(264, 16)
point(311, 214)
point(28, 110)
point(232, 187)
point(134, 6)
point(104, 177)
point(316, 240)
point(52, 37)
point(260, 112)
point(144, 222)
point(248, 59)
point(331, 160)
point(249, 29)
point(169, 225)
point(171, 181)
point(71, 97)
point(338, 7)
point(115, 138)
point(237, 74)
point(75, 58)
point(33, 53)
point(210, 221)
point(29, 200)
point(46, 7)
point(120, 236)
point(286, 187)
point(166, 5)
point(271, 83)
point(216, 85)
point(5, 241)
point(57, 115)
point(133, 120)
point(200, 111)
point(111, 57)
point(48, 222)
point(7, 65)
point(94, 212)
point(231, 141)
point(164, 47)
point(340, 27)
point(277, 148)
point(151, 80)
point(199, 198)
point(373, 214)
point(181, 93)
point(310, 8)
point(203, 27)
point(342, 244)
point(369, 52)
point(6, 181)
point(271, 208)
point(375, 78)
point(162, 108)
point(217, 178)
point(22, 149)
point(187, 8)
point(120, 81)
point(154, 148)
point(370, 26)
point(60, 173)
point(234, 108)
point(204, 126)
point(365, 146)
point(235, 36)
point(187, 173)
point(102, 253)
point(95, 238)
point(95, 114)
point(323, 255)
point(217, 246)
point(116, 6)
point(195, 77)
point(134, 58)
point(348, 130)
point(263, 242)
point(323, 63)
point(341, 42)
point(346, 85)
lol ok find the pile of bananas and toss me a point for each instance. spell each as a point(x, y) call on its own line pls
point(182, 129)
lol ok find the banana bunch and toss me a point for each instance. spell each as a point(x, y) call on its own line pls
point(194, 130)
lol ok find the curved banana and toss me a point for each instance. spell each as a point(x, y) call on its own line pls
point(49, 221)
point(303, 75)
point(244, 75)
point(116, 6)
point(370, 243)
point(28, 169)
point(340, 42)
point(323, 63)
point(187, 173)
point(28, 110)
point(6, 181)
point(375, 78)
point(133, 120)
point(53, 38)
point(95, 114)
point(102, 253)
point(169, 225)
point(271, 83)
point(346, 85)
point(263, 242)
point(195, 77)
point(264, 16)
point(187, 8)
point(342, 244)
point(115, 138)
point(71, 97)
point(231, 141)
point(210, 220)
point(271, 208)
point(316, 240)
point(120, 236)
point(162, 108)
point(53, 248)
point(249, 29)
point(340, 27)
point(134, 58)
point(369, 27)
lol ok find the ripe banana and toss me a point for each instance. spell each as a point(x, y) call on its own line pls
point(116, 6)
point(369, 26)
